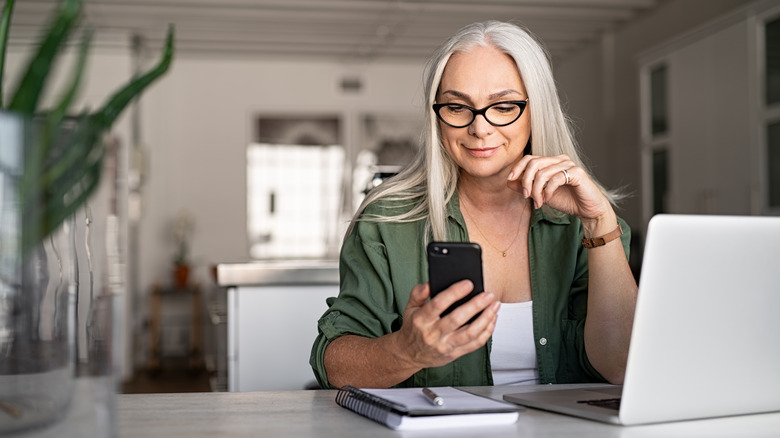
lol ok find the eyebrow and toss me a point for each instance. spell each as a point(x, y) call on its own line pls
point(496, 95)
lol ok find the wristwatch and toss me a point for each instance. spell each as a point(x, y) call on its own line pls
point(593, 242)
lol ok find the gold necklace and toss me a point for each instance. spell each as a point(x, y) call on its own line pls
point(503, 253)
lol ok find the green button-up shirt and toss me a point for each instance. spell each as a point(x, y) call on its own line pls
point(380, 262)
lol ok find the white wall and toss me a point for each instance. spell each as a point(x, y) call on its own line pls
point(582, 89)
point(617, 159)
point(197, 126)
point(710, 154)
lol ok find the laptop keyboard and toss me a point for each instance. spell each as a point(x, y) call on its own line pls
point(609, 403)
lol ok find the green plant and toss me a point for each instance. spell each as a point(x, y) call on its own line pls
point(63, 163)
point(182, 227)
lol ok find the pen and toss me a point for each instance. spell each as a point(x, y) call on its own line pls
point(435, 399)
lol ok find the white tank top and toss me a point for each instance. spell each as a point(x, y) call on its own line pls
point(513, 354)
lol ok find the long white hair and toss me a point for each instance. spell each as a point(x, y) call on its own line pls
point(429, 182)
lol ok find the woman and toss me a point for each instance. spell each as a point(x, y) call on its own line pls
point(553, 311)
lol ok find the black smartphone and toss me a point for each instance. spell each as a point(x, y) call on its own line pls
point(451, 262)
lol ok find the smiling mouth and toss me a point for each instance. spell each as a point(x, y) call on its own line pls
point(481, 152)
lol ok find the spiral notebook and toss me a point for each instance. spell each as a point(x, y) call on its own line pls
point(410, 409)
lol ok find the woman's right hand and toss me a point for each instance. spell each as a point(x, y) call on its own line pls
point(427, 340)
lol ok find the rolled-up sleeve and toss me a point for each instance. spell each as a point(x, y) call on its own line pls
point(366, 305)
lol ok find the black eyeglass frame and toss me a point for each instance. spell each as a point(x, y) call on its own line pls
point(475, 112)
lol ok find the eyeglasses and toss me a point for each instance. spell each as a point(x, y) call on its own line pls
point(498, 114)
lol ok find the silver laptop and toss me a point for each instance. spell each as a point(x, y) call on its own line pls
point(706, 335)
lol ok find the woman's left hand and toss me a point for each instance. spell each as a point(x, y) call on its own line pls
point(545, 180)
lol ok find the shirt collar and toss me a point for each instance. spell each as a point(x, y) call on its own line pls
point(550, 215)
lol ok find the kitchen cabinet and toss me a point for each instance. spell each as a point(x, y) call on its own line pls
point(272, 313)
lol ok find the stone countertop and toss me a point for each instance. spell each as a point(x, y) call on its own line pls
point(278, 272)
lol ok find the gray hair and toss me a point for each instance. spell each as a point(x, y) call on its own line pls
point(429, 182)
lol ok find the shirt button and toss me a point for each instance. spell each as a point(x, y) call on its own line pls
point(543, 341)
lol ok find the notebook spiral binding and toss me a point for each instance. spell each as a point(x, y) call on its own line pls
point(366, 404)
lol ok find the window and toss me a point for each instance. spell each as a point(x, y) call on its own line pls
point(773, 164)
point(771, 113)
point(294, 188)
point(659, 122)
point(656, 138)
point(772, 61)
point(660, 180)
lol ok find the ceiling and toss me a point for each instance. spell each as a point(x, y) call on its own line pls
point(342, 30)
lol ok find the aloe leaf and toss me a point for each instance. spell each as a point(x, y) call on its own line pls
point(65, 165)
point(48, 215)
point(64, 147)
point(73, 192)
point(25, 99)
point(51, 200)
point(5, 25)
point(73, 186)
point(80, 144)
point(114, 106)
point(52, 125)
point(55, 117)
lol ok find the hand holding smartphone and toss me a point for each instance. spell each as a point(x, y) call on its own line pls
point(451, 262)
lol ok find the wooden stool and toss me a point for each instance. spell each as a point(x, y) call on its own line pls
point(155, 341)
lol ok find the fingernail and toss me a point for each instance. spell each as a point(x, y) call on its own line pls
point(511, 175)
point(526, 194)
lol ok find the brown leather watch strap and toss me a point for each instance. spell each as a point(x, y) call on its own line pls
point(593, 242)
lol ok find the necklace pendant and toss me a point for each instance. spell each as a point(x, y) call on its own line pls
point(503, 253)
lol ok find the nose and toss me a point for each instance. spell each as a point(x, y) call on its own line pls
point(480, 126)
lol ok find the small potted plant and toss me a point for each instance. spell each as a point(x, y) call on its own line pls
point(183, 226)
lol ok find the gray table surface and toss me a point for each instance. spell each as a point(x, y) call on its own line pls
point(315, 414)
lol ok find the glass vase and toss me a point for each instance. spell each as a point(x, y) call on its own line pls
point(60, 305)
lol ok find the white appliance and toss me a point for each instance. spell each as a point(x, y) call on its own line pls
point(272, 313)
